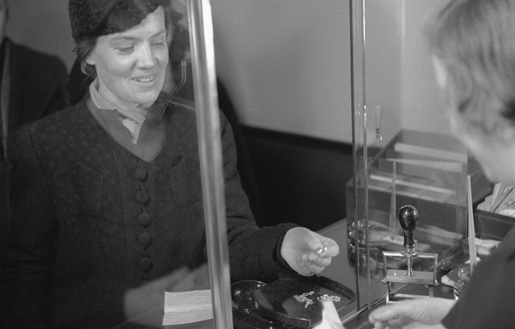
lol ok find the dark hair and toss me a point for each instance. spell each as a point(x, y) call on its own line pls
point(83, 49)
point(178, 36)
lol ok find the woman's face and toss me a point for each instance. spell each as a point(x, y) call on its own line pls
point(131, 65)
point(495, 152)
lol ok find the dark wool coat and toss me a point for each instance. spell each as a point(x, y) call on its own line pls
point(92, 220)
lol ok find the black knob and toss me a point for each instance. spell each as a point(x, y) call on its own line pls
point(408, 217)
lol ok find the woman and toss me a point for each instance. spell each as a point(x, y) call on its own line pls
point(107, 193)
point(473, 43)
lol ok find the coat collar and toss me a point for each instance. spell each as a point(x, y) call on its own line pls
point(100, 144)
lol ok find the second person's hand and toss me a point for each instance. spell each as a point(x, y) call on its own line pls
point(410, 314)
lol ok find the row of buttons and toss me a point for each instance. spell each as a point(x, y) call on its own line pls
point(142, 198)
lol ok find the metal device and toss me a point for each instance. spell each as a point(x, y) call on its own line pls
point(408, 218)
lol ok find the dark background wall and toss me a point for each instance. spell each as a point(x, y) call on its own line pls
point(298, 179)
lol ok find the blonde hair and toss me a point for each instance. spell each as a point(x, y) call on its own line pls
point(475, 41)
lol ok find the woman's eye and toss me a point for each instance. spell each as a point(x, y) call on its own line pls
point(159, 43)
point(126, 50)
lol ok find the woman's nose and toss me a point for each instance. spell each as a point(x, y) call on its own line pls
point(146, 57)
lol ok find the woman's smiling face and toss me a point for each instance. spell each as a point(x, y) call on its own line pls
point(131, 65)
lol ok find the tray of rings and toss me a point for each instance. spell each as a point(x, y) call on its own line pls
point(289, 302)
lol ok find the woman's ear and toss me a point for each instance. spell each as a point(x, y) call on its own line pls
point(504, 132)
point(89, 60)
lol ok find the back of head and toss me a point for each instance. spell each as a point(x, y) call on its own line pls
point(91, 19)
point(475, 42)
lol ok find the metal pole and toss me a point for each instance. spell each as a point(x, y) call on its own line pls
point(209, 133)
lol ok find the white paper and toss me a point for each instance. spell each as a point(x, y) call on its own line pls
point(330, 317)
point(187, 307)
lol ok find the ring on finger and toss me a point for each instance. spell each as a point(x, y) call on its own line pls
point(321, 249)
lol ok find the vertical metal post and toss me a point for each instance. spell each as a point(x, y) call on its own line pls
point(358, 100)
point(211, 159)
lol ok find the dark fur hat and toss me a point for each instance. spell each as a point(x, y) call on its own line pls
point(93, 18)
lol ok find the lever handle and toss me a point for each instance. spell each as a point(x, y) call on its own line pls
point(408, 218)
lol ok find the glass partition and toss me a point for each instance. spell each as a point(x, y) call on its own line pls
point(338, 277)
point(210, 150)
point(403, 153)
point(339, 274)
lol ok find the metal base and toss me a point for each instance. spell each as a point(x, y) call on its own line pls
point(409, 276)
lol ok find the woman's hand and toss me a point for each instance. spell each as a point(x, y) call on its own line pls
point(307, 252)
point(416, 313)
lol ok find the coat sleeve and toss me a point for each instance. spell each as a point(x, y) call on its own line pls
point(253, 251)
point(27, 266)
point(489, 297)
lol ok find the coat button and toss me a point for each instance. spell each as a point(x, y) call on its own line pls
point(141, 197)
point(140, 173)
point(145, 263)
point(144, 219)
point(144, 238)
